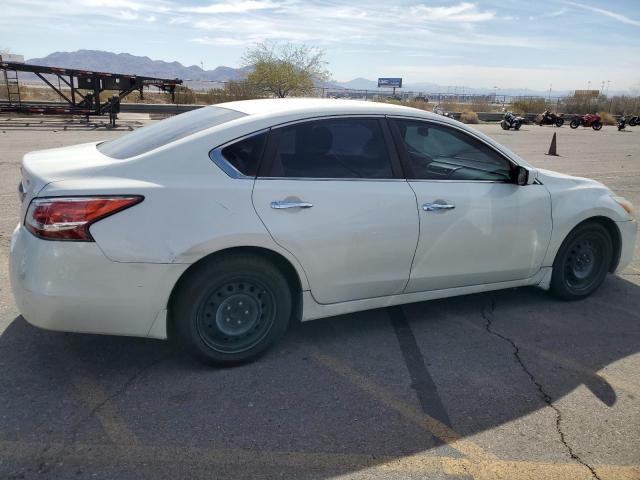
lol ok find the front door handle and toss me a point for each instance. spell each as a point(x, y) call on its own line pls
point(434, 207)
point(280, 204)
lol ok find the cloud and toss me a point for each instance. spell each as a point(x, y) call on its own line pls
point(232, 7)
point(606, 13)
point(462, 12)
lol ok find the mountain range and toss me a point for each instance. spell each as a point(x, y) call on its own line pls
point(197, 78)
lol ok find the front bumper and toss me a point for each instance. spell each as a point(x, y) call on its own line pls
point(74, 287)
point(628, 234)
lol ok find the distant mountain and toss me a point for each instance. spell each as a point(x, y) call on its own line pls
point(126, 63)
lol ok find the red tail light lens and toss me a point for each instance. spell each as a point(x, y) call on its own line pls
point(69, 218)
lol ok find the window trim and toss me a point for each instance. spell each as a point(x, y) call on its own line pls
point(404, 155)
point(268, 158)
point(218, 158)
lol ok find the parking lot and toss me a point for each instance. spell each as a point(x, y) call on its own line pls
point(512, 384)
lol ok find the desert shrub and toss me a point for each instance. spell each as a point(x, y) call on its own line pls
point(469, 116)
point(529, 105)
point(184, 95)
point(607, 118)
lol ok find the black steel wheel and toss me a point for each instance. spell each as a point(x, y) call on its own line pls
point(597, 125)
point(574, 124)
point(582, 262)
point(230, 310)
point(559, 122)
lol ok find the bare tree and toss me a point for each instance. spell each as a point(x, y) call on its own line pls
point(285, 69)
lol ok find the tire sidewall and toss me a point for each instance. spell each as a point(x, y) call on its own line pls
point(195, 290)
point(558, 278)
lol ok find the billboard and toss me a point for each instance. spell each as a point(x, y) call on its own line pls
point(390, 82)
point(11, 57)
point(587, 93)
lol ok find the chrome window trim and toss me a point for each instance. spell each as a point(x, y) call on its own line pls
point(216, 156)
point(328, 117)
point(322, 179)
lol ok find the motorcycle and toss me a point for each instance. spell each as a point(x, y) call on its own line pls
point(621, 123)
point(439, 111)
point(634, 120)
point(511, 121)
point(549, 118)
point(589, 120)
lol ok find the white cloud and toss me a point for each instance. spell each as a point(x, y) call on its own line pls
point(462, 12)
point(607, 13)
point(233, 7)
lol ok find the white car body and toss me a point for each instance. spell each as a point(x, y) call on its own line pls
point(364, 244)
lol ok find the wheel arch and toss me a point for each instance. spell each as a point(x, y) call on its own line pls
point(276, 259)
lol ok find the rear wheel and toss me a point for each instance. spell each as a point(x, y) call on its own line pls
point(559, 122)
point(632, 122)
point(574, 124)
point(230, 310)
point(517, 126)
point(582, 262)
point(597, 125)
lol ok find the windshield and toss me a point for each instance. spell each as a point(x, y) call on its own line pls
point(166, 131)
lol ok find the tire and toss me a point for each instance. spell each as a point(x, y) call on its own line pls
point(582, 262)
point(559, 122)
point(504, 125)
point(596, 125)
point(574, 124)
point(632, 122)
point(231, 310)
point(517, 126)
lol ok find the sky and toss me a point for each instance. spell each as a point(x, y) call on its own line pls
point(535, 44)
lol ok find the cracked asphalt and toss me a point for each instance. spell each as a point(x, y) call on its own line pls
point(505, 385)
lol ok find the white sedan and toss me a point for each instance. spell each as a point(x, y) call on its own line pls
point(220, 226)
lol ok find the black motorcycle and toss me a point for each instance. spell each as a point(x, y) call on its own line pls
point(634, 120)
point(549, 118)
point(511, 121)
point(621, 123)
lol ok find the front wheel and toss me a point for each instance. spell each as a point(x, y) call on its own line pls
point(582, 262)
point(231, 310)
point(597, 125)
point(574, 124)
point(504, 125)
point(559, 122)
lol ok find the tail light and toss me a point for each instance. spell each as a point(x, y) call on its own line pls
point(69, 218)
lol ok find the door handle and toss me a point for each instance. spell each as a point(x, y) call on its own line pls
point(280, 204)
point(434, 207)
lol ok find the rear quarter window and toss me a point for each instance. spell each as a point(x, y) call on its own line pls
point(166, 131)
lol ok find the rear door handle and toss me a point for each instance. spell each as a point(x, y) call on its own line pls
point(434, 207)
point(280, 204)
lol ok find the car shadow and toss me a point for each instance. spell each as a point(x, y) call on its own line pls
point(335, 396)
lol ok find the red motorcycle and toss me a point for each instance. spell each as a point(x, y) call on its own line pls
point(592, 120)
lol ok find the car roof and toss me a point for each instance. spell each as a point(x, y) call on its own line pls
point(280, 106)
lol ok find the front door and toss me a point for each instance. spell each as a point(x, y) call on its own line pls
point(331, 193)
point(476, 225)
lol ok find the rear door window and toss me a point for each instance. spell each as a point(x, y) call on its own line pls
point(336, 148)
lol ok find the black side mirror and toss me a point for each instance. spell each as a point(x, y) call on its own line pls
point(522, 175)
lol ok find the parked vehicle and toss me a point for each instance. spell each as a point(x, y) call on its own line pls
point(511, 121)
point(589, 120)
point(622, 123)
point(549, 118)
point(220, 226)
point(437, 109)
point(634, 120)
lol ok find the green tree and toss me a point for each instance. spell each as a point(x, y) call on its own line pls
point(285, 69)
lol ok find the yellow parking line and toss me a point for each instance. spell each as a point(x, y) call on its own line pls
point(420, 463)
point(416, 415)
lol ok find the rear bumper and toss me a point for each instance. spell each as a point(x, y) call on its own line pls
point(628, 233)
point(72, 286)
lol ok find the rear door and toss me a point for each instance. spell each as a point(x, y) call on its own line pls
point(477, 225)
point(330, 191)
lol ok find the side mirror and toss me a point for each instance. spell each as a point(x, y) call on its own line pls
point(526, 176)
